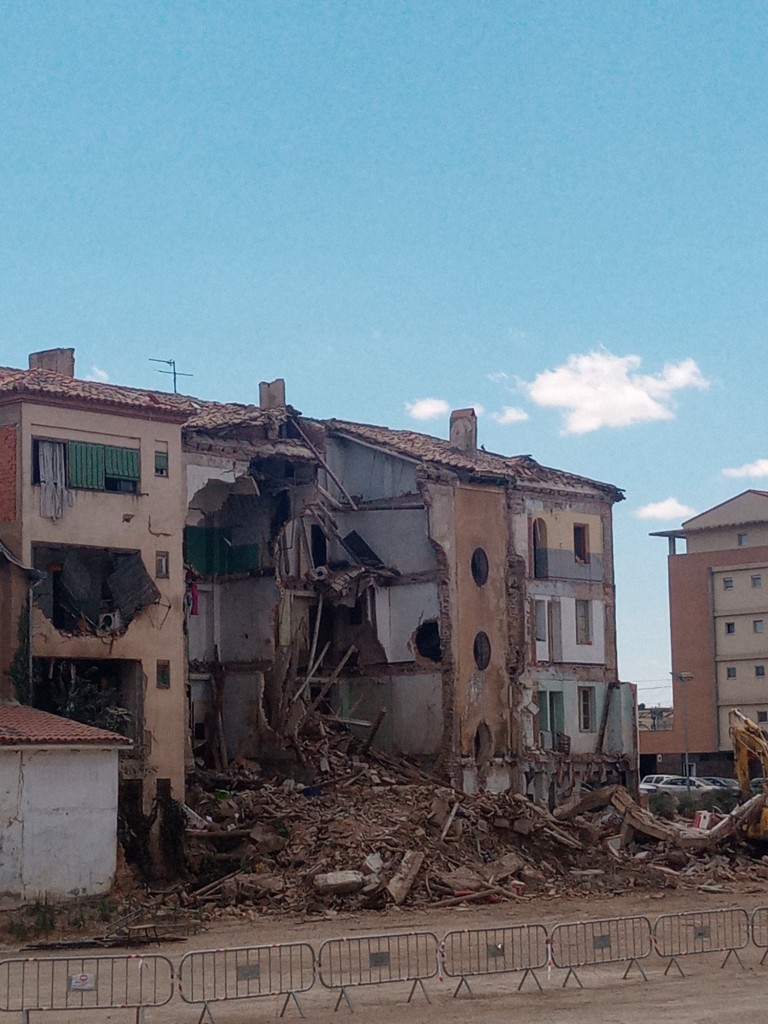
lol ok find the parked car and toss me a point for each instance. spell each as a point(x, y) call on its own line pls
point(721, 782)
point(759, 785)
point(654, 780)
point(678, 785)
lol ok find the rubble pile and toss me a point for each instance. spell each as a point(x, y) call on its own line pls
point(372, 832)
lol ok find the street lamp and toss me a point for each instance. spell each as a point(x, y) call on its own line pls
point(684, 677)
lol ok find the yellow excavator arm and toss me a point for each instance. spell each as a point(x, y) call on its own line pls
point(747, 738)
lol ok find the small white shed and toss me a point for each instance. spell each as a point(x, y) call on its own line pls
point(58, 805)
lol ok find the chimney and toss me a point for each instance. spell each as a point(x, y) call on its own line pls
point(59, 360)
point(272, 394)
point(464, 430)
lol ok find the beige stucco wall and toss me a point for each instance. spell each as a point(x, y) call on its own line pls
point(149, 521)
point(478, 519)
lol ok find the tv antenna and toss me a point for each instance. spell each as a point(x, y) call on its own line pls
point(173, 371)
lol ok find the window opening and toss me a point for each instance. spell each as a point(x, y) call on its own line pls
point(540, 616)
point(730, 672)
point(483, 744)
point(581, 542)
point(318, 545)
point(758, 626)
point(161, 463)
point(730, 628)
point(163, 675)
point(757, 581)
point(583, 622)
point(161, 565)
point(540, 553)
point(482, 650)
point(728, 583)
point(479, 567)
point(586, 708)
point(760, 671)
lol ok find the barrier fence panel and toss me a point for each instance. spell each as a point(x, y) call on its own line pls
point(758, 930)
point(611, 940)
point(85, 983)
point(209, 976)
point(704, 931)
point(474, 952)
point(378, 960)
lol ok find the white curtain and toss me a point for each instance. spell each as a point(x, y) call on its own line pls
point(53, 481)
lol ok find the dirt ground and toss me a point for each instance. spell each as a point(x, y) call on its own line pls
point(706, 995)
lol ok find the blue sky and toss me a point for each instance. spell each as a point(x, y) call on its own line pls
point(554, 211)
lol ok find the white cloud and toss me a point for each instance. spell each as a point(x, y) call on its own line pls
point(427, 408)
point(757, 468)
point(600, 389)
point(479, 409)
point(509, 414)
point(670, 508)
point(98, 374)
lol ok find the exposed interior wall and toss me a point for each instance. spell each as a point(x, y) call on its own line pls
point(59, 814)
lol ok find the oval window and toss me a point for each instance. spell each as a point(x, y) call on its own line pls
point(482, 650)
point(479, 567)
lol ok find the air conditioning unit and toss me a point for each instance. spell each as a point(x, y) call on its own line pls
point(110, 622)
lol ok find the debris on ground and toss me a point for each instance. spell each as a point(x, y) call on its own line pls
point(371, 831)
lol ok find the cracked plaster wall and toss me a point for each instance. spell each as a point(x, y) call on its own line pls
point(58, 822)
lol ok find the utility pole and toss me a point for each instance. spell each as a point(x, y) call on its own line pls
point(173, 371)
point(683, 678)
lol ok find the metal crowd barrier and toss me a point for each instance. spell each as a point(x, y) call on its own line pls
point(611, 940)
point(246, 972)
point(125, 982)
point(378, 960)
point(473, 952)
point(704, 931)
point(758, 930)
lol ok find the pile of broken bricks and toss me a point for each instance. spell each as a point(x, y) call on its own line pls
point(374, 832)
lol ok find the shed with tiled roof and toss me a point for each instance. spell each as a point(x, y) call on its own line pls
point(58, 798)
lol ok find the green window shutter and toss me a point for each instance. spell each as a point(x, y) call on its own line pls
point(85, 465)
point(121, 463)
point(161, 463)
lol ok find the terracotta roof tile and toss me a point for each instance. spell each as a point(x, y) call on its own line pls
point(438, 451)
point(46, 384)
point(24, 726)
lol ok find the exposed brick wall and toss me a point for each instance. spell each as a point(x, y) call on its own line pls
point(7, 473)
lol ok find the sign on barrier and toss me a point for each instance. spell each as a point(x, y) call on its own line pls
point(124, 982)
point(758, 930)
point(473, 952)
point(611, 940)
point(378, 960)
point(704, 931)
point(246, 972)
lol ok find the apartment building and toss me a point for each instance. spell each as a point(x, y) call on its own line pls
point(92, 499)
point(718, 600)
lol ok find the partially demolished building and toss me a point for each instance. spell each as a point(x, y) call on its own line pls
point(223, 570)
point(458, 603)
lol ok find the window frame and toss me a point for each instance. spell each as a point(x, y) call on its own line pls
point(586, 698)
point(727, 582)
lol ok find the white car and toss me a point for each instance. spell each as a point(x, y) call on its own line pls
point(678, 785)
